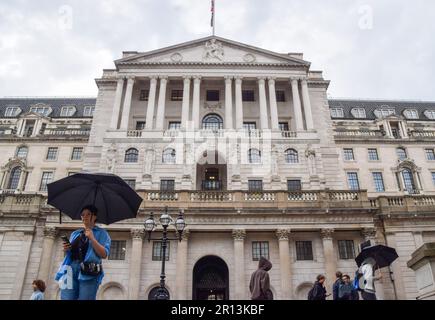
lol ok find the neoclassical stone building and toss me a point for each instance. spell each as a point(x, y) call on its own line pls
point(246, 143)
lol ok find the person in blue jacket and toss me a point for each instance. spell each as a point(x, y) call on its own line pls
point(81, 271)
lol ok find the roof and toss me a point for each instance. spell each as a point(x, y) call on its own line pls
point(371, 105)
point(55, 103)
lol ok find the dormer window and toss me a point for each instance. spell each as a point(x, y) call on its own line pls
point(410, 114)
point(337, 112)
point(359, 113)
point(42, 110)
point(67, 111)
point(89, 111)
point(430, 114)
point(12, 111)
point(384, 112)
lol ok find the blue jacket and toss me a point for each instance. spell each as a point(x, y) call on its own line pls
point(103, 238)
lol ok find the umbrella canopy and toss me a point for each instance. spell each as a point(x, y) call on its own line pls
point(383, 255)
point(113, 197)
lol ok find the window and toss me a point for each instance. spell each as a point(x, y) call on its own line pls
point(12, 111)
point(378, 181)
point(294, 185)
point(346, 249)
point(89, 111)
point(291, 156)
point(22, 152)
point(212, 95)
point(260, 249)
point(249, 126)
point(131, 155)
point(47, 177)
point(177, 95)
point(254, 156)
point(77, 153)
point(117, 250)
point(143, 95)
point(169, 155)
point(348, 154)
point(158, 251)
point(280, 96)
point(67, 111)
point(384, 112)
point(433, 178)
point(255, 185)
point(174, 125)
point(44, 111)
point(359, 113)
point(408, 179)
point(410, 114)
point(401, 153)
point(337, 112)
point(52, 153)
point(167, 185)
point(430, 114)
point(352, 180)
point(304, 250)
point(283, 126)
point(131, 183)
point(248, 95)
point(373, 154)
point(14, 178)
point(140, 125)
point(212, 122)
point(430, 154)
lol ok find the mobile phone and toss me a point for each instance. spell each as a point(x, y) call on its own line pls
point(65, 239)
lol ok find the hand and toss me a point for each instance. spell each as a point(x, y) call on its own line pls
point(66, 247)
point(89, 234)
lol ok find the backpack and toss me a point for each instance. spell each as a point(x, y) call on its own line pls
point(310, 294)
point(356, 280)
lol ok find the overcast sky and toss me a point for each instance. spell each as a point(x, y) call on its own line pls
point(368, 49)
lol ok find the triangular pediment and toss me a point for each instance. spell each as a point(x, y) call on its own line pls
point(212, 50)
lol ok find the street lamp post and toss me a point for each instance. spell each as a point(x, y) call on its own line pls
point(165, 220)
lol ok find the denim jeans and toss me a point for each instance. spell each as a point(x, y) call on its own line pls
point(81, 289)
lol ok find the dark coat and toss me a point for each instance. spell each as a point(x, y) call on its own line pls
point(335, 288)
point(319, 291)
point(260, 282)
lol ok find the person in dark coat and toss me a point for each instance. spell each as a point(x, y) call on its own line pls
point(318, 292)
point(336, 285)
point(346, 291)
point(260, 282)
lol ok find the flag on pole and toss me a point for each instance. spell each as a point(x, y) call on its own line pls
point(212, 13)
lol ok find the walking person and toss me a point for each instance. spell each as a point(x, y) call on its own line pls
point(318, 291)
point(336, 285)
point(38, 290)
point(368, 277)
point(346, 290)
point(81, 271)
point(260, 281)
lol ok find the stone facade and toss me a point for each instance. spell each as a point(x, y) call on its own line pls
point(246, 143)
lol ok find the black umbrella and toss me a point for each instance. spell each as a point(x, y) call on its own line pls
point(383, 255)
point(113, 197)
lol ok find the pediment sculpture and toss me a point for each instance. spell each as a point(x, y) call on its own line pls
point(213, 50)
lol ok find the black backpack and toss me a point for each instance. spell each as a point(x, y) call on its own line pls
point(310, 294)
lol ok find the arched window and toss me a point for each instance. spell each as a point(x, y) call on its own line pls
point(291, 156)
point(254, 156)
point(154, 291)
point(408, 179)
point(401, 153)
point(22, 152)
point(14, 178)
point(131, 155)
point(169, 155)
point(212, 122)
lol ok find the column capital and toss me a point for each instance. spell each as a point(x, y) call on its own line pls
point(369, 233)
point(50, 232)
point(130, 78)
point(304, 79)
point(197, 79)
point(294, 80)
point(271, 80)
point(185, 234)
point(326, 234)
point(153, 77)
point(261, 80)
point(228, 79)
point(283, 234)
point(187, 78)
point(137, 233)
point(163, 78)
point(238, 80)
point(239, 234)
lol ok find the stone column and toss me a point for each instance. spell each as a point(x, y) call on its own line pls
point(307, 105)
point(239, 264)
point(330, 260)
point(285, 263)
point(228, 103)
point(239, 103)
point(181, 276)
point(195, 102)
point(137, 235)
point(263, 103)
point(273, 104)
point(160, 118)
point(297, 105)
point(151, 103)
point(185, 105)
point(23, 262)
point(396, 268)
point(127, 104)
point(117, 104)
point(50, 234)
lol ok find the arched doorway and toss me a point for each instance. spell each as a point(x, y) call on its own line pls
point(210, 279)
